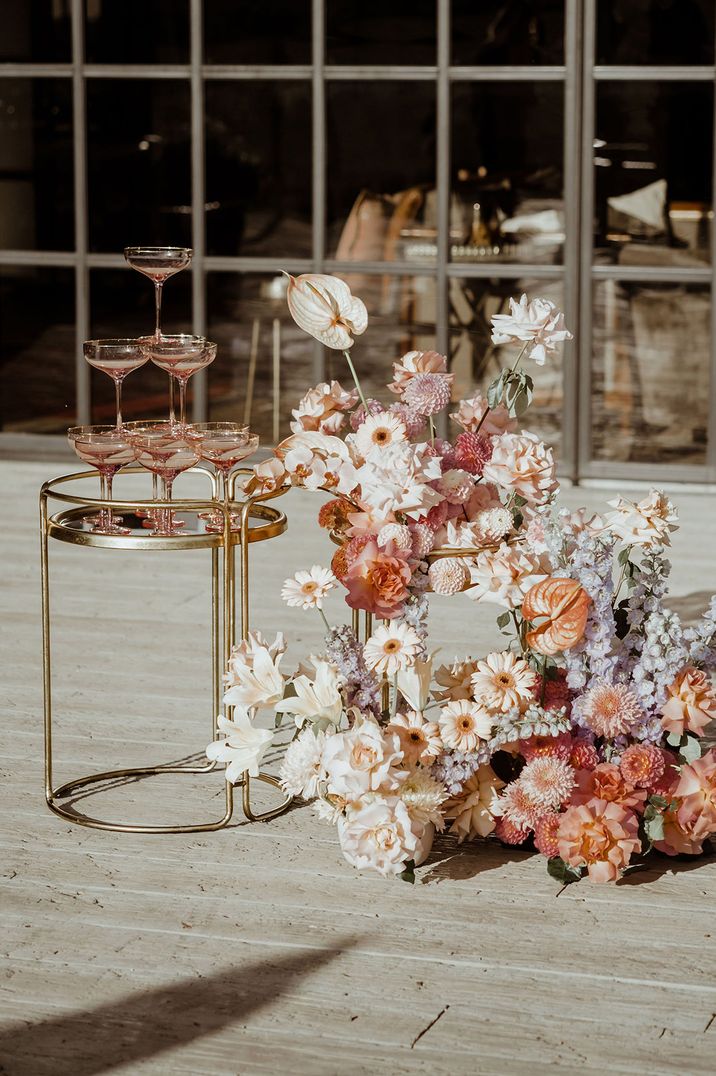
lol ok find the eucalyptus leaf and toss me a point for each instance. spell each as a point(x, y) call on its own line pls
point(408, 874)
point(654, 828)
point(674, 739)
point(690, 749)
point(503, 620)
point(563, 872)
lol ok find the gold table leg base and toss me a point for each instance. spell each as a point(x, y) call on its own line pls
point(135, 772)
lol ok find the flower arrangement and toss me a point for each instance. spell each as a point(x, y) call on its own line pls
point(580, 737)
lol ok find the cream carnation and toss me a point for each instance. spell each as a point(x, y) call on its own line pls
point(464, 724)
point(302, 767)
point(448, 575)
point(502, 682)
point(475, 808)
point(645, 524)
point(379, 836)
point(523, 463)
point(393, 648)
point(379, 431)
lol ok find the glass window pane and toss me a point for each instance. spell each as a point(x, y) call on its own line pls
point(381, 170)
point(258, 168)
point(137, 31)
point(138, 163)
point(36, 194)
point(491, 32)
point(37, 350)
point(476, 362)
point(641, 409)
point(653, 173)
point(122, 304)
point(507, 200)
point(655, 32)
point(373, 32)
point(260, 32)
point(36, 31)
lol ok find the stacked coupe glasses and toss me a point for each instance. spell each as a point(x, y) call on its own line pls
point(164, 448)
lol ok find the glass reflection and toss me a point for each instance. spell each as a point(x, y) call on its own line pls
point(258, 168)
point(640, 409)
point(495, 32)
point(267, 32)
point(653, 177)
point(507, 201)
point(35, 31)
point(655, 32)
point(37, 344)
point(137, 31)
point(381, 171)
point(36, 195)
point(373, 32)
point(141, 146)
point(476, 362)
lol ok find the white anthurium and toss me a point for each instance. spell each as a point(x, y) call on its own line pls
point(324, 307)
point(317, 700)
point(414, 683)
point(260, 684)
point(243, 745)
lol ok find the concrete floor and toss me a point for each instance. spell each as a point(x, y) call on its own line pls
point(257, 949)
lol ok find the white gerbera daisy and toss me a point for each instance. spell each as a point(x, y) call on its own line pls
point(379, 431)
point(302, 766)
point(393, 648)
point(307, 589)
point(503, 681)
point(463, 724)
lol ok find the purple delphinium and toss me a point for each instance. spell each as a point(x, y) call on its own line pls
point(454, 768)
point(360, 686)
point(701, 638)
point(415, 614)
point(591, 565)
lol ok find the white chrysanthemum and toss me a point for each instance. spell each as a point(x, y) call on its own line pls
point(379, 431)
point(330, 809)
point(463, 724)
point(493, 524)
point(302, 766)
point(502, 682)
point(448, 575)
point(397, 533)
point(307, 589)
point(420, 740)
point(393, 648)
point(423, 795)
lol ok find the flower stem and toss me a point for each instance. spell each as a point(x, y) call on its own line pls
point(323, 618)
point(621, 577)
point(394, 706)
point(518, 630)
point(356, 382)
point(515, 364)
point(432, 429)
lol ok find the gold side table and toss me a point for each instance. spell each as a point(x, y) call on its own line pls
point(258, 522)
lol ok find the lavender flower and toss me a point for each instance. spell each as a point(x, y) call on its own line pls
point(535, 721)
point(454, 768)
point(701, 639)
point(591, 566)
point(360, 687)
point(415, 614)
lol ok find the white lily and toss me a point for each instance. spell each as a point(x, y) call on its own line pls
point(243, 747)
point(414, 683)
point(257, 684)
point(324, 307)
point(316, 700)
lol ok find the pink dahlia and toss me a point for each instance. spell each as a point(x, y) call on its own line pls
point(600, 836)
point(427, 393)
point(642, 765)
point(423, 539)
point(447, 453)
point(584, 755)
point(556, 692)
point(548, 781)
point(375, 407)
point(610, 709)
point(511, 833)
point(413, 421)
point(557, 746)
point(546, 835)
point(472, 452)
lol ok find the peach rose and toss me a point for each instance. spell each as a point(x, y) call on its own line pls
point(377, 580)
point(606, 782)
point(691, 703)
point(679, 838)
point(417, 362)
point(697, 791)
point(600, 836)
point(471, 416)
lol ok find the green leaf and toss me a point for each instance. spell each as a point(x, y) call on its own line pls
point(503, 620)
point(690, 749)
point(557, 868)
point(674, 739)
point(408, 874)
point(654, 828)
point(517, 519)
point(624, 555)
point(659, 801)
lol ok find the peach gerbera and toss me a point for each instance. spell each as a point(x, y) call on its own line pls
point(691, 703)
point(503, 681)
point(419, 739)
point(463, 724)
point(610, 709)
point(600, 836)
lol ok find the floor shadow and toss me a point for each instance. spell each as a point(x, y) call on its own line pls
point(656, 865)
point(450, 861)
point(139, 1026)
point(691, 607)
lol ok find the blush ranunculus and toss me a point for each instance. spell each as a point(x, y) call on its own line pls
point(697, 791)
point(377, 580)
point(600, 836)
point(606, 782)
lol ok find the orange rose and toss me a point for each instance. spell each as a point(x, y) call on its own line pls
point(606, 782)
point(377, 580)
point(600, 836)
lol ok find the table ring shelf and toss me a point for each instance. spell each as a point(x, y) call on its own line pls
point(257, 521)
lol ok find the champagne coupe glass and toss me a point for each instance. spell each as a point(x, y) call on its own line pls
point(224, 444)
point(158, 263)
point(166, 452)
point(107, 449)
point(116, 358)
point(180, 356)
